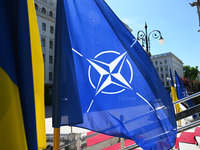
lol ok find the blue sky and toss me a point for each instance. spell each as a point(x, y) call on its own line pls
point(176, 19)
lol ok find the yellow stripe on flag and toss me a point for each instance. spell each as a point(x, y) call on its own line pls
point(12, 132)
point(38, 75)
point(175, 98)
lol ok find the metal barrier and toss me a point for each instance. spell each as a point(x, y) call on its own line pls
point(186, 127)
point(187, 98)
point(77, 141)
point(181, 129)
point(179, 116)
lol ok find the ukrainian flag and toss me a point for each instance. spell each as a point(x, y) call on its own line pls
point(22, 119)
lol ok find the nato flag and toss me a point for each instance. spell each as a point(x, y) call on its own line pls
point(100, 64)
point(182, 92)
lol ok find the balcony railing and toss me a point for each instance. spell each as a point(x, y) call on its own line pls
point(181, 115)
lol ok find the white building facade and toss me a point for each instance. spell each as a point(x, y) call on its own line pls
point(46, 17)
point(163, 63)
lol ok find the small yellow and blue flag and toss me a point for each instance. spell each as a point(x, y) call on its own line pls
point(174, 94)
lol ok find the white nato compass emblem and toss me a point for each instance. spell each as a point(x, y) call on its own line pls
point(111, 79)
point(108, 66)
point(114, 74)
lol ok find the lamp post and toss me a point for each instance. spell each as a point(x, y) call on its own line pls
point(144, 38)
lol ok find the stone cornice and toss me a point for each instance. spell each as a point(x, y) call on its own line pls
point(45, 16)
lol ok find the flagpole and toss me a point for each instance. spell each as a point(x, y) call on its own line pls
point(56, 139)
point(56, 80)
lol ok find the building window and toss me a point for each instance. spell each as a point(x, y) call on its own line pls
point(43, 42)
point(51, 14)
point(36, 7)
point(43, 10)
point(156, 62)
point(43, 26)
point(162, 76)
point(51, 44)
point(167, 75)
point(50, 76)
point(51, 29)
point(167, 83)
point(50, 91)
point(51, 59)
point(166, 68)
point(165, 61)
point(161, 68)
point(160, 62)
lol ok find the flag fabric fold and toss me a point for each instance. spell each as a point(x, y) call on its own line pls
point(22, 121)
point(102, 71)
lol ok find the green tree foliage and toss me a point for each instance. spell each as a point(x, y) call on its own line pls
point(192, 86)
point(190, 72)
point(190, 81)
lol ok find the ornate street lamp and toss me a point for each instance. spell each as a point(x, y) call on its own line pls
point(144, 38)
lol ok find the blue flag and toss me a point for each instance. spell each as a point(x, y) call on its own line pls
point(182, 91)
point(104, 78)
point(172, 79)
point(21, 78)
point(174, 95)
